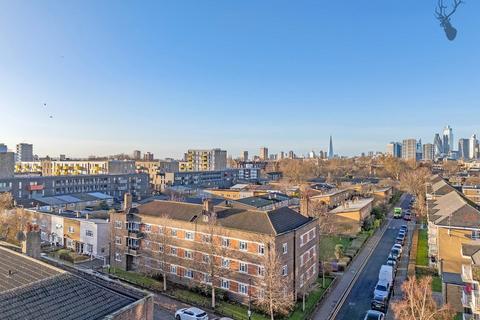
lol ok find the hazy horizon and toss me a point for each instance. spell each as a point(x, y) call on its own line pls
point(168, 76)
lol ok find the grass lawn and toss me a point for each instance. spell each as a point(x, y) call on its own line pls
point(436, 284)
point(311, 301)
point(137, 279)
point(422, 248)
point(328, 243)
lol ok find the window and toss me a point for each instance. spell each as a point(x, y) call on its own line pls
point(302, 280)
point(173, 269)
point(225, 242)
point(243, 289)
point(476, 234)
point(243, 246)
point(148, 227)
point(118, 224)
point(89, 233)
point(225, 263)
point(160, 248)
point(173, 251)
point(284, 248)
point(118, 257)
point(206, 278)
point(173, 232)
point(161, 229)
point(261, 249)
point(71, 229)
point(205, 238)
point(225, 284)
point(189, 273)
point(242, 267)
point(261, 271)
point(118, 240)
point(189, 235)
point(206, 258)
point(284, 270)
point(188, 254)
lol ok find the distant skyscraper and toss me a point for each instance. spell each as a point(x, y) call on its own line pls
point(448, 140)
point(330, 149)
point(263, 153)
point(473, 147)
point(245, 155)
point(24, 152)
point(428, 152)
point(7, 164)
point(312, 154)
point(281, 155)
point(3, 148)
point(291, 154)
point(137, 155)
point(409, 149)
point(463, 149)
point(437, 146)
point(394, 149)
point(148, 156)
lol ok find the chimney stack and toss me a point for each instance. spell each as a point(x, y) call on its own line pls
point(32, 241)
point(208, 205)
point(127, 201)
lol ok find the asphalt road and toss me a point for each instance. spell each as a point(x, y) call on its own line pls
point(359, 299)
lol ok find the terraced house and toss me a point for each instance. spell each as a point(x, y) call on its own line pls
point(453, 242)
point(178, 237)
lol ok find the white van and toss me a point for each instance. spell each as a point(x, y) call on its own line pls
point(386, 273)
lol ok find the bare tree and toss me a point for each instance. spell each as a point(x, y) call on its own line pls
point(6, 201)
point(450, 168)
point(418, 303)
point(216, 250)
point(297, 171)
point(160, 241)
point(276, 294)
point(393, 167)
point(414, 181)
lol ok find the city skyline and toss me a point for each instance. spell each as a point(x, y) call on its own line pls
point(172, 66)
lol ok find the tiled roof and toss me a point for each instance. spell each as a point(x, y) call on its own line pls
point(448, 207)
point(35, 290)
point(266, 222)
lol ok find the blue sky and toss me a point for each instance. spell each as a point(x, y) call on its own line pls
point(165, 76)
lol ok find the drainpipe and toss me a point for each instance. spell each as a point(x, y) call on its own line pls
point(295, 263)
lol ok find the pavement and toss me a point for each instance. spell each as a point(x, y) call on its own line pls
point(353, 292)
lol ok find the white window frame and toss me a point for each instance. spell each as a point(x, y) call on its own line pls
point(261, 249)
point(173, 269)
point(225, 284)
point(285, 270)
point(242, 289)
point(189, 236)
point(118, 224)
point(245, 269)
point(285, 248)
point(243, 245)
point(118, 240)
point(118, 257)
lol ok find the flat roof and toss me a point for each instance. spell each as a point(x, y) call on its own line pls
point(352, 205)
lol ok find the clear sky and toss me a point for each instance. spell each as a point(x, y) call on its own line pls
point(165, 76)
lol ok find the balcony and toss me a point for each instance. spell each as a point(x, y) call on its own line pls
point(133, 252)
point(467, 273)
point(135, 234)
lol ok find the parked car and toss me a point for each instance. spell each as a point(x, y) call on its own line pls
point(398, 246)
point(395, 254)
point(382, 289)
point(191, 314)
point(407, 217)
point(374, 315)
point(391, 262)
point(386, 273)
point(400, 238)
point(404, 228)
